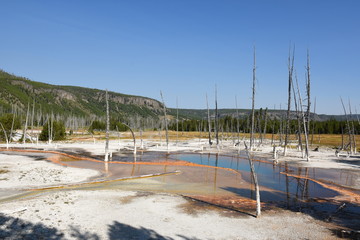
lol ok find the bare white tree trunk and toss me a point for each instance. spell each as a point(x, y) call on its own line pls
point(253, 105)
point(166, 125)
point(290, 69)
point(119, 136)
point(32, 118)
point(216, 120)
point(265, 124)
point(348, 127)
point(298, 120)
point(254, 177)
point(313, 125)
point(49, 128)
point(353, 140)
point(141, 139)
point(26, 123)
point(12, 127)
point(308, 91)
point(133, 136)
point(304, 123)
point(209, 120)
point(107, 127)
point(177, 121)
point(237, 125)
point(6, 137)
point(281, 130)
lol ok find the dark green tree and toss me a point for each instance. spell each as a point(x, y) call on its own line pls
point(58, 131)
point(9, 120)
point(115, 125)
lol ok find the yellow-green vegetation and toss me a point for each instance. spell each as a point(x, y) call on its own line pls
point(334, 140)
point(331, 140)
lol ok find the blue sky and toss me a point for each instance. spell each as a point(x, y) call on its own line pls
point(186, 47)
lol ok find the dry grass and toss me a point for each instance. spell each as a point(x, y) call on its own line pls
point(332, 140)
point(2, 171)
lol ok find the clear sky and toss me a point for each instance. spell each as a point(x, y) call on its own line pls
point(185, 47)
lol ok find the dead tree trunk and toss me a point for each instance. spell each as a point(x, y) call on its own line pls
point(290, 69)
point(352, 129)
point(209, 120)
point(119, 136)
point(200, 131)
point(12, 127)
point(255, 180)
point(273, 133)
point(259, 125)
point(304, 123)
point(281, 129)
point(313, 124)
point(237, 125)
point(133, 136)
point(26, 123)
point(52, 126)
point(32, 118)
point(216, 120)
point(107, 127)
point(49, 128)
point(253, 105)
point(342, 137)
point(308, 91)
point(265, 124)
point(141, 139)
point(166, 125)
point(6, 137)
point(348, 126)
point(298, 120)
point(177, 122)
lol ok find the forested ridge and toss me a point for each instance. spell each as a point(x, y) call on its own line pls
point(69, 100)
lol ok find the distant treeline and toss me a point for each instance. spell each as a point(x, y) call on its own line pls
point(226, 124)
point(231, 124)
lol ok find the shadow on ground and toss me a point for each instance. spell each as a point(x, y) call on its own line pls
point(346, 215)
point(15, 228)
point(119, 231)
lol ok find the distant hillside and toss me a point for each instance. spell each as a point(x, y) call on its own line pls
point(78, 101)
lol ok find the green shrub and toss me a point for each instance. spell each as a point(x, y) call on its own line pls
point(7, 120)
point(58, 131)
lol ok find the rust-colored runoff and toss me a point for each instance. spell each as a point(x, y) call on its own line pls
point(353, 197)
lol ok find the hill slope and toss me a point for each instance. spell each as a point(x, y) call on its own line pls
point(78, 101)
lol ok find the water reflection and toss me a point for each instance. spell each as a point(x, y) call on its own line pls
point(269, 176)
point(106, 167)
point(197, 180)
point(285, 188)
point(215, 172)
